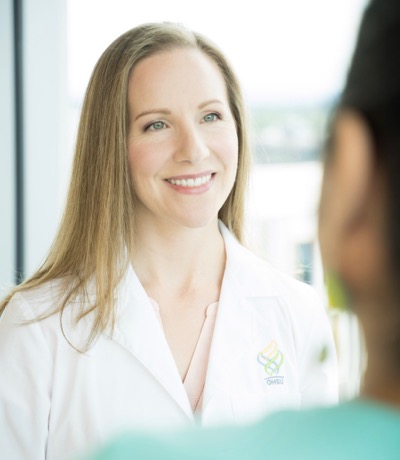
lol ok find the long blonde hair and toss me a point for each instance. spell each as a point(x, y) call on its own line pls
point(96, 231)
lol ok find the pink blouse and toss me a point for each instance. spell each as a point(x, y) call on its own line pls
point(196, 375)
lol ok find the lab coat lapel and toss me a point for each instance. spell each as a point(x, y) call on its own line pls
point(139, 331)
point(233, 331)
point(231, 337)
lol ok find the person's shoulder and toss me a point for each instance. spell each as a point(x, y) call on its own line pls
point(39, 300)
point(274, 279)
point(344, 431)
point(39, 305)
point(47, 311)
point(259, 278)
point(287, 281)
point(29, 320)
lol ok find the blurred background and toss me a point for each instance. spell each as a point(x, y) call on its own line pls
point(291, 57)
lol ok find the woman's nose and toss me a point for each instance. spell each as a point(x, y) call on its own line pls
point(191, 146)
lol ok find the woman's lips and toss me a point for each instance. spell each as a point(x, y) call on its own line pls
point(195, 183)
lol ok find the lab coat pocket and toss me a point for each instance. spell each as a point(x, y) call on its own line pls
point(250, 406)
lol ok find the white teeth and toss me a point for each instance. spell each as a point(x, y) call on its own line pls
point(191, 182)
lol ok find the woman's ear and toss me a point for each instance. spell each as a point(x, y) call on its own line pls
point(346, 190)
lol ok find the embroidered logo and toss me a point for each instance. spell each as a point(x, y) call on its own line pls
point(271, 358)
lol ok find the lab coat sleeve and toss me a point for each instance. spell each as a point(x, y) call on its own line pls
point(317, 358)
point(25, 384)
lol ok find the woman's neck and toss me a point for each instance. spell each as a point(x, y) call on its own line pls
point(179, 258)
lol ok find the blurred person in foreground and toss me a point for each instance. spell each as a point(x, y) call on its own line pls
point(359, 232)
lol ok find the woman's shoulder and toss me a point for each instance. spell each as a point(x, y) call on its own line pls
point(245, 257)
point(44, 305)
point(264, 279)
point(28, 323)
point(46, 311)
point(38, 300)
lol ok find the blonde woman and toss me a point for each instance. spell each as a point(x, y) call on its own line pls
point(360, 241)
point(148, 311)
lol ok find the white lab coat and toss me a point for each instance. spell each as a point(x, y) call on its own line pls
point(269, 336)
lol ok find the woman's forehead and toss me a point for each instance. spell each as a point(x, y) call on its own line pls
point(176, 75)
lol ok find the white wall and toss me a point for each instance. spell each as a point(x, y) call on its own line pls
point(46, 130)
point(7, 179)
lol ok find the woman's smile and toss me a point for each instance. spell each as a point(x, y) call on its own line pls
point(192, 184)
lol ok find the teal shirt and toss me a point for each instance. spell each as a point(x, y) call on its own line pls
point(356, 430)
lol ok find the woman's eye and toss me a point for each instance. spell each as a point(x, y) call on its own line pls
point(157, 125)
point(211, 117)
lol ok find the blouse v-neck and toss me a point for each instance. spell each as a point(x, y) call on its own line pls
point(195, 377)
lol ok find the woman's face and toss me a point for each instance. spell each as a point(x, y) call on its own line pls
point(182, 141)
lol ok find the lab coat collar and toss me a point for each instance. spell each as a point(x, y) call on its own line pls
point(249, 270)
point(139, 331)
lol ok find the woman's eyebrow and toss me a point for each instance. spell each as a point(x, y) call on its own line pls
point(210, 101)
point(153, 111)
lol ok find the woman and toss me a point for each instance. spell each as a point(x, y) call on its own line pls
point(360, 242)
point(114, 330)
